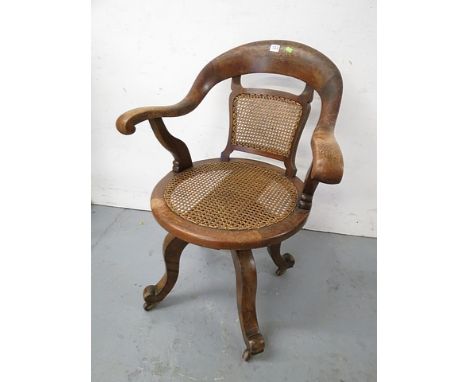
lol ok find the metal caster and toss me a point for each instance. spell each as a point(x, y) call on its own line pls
point(148, 306)
point(280, 271)
point(289, 260)
point(246, 355)
point(148, 294)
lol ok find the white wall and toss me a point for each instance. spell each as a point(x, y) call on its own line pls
point(149, 52)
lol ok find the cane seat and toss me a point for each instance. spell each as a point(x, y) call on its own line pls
point(241, 199)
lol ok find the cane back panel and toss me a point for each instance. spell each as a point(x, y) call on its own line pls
point(267, 122)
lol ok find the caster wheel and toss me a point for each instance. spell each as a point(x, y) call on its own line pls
point(280, 271)
point(289, 259)
point(246, 355)
point(148, 306)
point(150, 290)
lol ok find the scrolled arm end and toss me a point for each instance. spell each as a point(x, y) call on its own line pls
point(327, 164)
point(127, 121)
point(124, 126)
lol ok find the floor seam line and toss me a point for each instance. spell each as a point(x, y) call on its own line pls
point(107, 228)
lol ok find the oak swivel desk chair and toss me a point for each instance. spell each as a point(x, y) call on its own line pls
point(241, 204)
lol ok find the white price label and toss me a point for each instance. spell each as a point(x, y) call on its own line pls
point(274, 48)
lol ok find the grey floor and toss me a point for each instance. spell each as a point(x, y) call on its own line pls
point(318, 319)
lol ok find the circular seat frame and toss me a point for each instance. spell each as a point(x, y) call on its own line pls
point(226, 238)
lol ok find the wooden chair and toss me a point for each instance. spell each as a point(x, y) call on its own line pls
point(240, 204)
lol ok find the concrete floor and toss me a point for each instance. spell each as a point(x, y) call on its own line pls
point(318, 319)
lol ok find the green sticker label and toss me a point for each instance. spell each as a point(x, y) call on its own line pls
point(288, 49)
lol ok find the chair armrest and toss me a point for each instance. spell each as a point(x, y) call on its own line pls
point(327, 165)
point(178, 149)
point(127, 121)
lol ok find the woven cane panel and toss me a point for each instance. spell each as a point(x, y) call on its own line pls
point(231, 195)
point(265, 122)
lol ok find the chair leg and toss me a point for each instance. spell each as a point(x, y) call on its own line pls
point(172, 249)
point(246, 282)
point(283, 262)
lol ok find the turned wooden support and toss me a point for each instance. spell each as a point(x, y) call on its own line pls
point(246, 282)
point(172, 249)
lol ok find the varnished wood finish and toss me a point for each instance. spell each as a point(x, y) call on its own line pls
point(220, 238)
point(283, 262)
point(246, 282)
point(303, 99)
point(172, 249)
point(295, 60)
point(178, 149)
